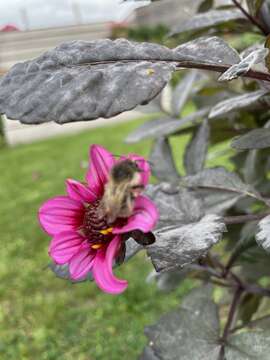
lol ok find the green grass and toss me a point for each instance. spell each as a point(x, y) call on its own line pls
point(45, 318)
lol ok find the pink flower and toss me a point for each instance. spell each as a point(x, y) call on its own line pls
point(84, 240)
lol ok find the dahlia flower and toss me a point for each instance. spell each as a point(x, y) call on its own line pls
point(84, 240)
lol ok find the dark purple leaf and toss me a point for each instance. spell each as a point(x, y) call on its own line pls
point(164, 126)
point(207, 19)
point(246, 101)
point(82, 80)
point(161, 161)
point(180, 245)
point(196, 150)
point(254, 139)
point(256, 57)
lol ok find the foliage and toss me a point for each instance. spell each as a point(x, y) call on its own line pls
point(155, 34)
point(83, 81)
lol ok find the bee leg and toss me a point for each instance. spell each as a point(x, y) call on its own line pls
point(143, 238)
point(121, 254)
point(136, 190)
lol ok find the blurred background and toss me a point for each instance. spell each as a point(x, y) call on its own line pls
point(41, 316)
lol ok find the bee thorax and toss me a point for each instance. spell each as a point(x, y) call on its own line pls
point(121, 191)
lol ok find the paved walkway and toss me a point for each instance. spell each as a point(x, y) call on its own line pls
point(17, 133)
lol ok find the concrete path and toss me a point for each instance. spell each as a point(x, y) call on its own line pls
point(17, 133)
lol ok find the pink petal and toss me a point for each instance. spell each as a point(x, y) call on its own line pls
point(80, 192)
point(64, 246)
point(82, 262)
point(143, 166)
point(144, 217)
point(101, 162)
point(61, 214)
point(102, 269)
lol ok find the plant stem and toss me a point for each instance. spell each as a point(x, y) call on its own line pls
point(236, 279)
point(251, 18)
point(215, 261)
point(235, 301)
point(239, 219)
point(249, 288)
point(253, 74)
point(221, 283)
point(255, 289)
point(231, 261)
point(250, 324)
point(230, 220)
point(188, 64)
point(205, 268)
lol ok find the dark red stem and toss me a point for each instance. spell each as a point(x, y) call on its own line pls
point(251, 18)
point(239, 219)
point(229, 323)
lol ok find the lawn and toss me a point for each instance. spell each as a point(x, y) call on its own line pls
point(41, 316)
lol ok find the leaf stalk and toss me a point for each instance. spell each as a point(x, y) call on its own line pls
point(251, 18)
point(230, 320)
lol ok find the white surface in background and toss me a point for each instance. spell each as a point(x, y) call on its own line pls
point(17, 133)
point(34, 14)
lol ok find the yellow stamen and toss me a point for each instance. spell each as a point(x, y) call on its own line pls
point(106, 231)
point(96, 246)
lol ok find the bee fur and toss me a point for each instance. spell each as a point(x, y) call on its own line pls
point(121, 190)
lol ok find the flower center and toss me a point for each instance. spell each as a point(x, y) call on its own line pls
point(95, 226)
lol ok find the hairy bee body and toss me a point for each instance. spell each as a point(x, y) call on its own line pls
point(121, 190)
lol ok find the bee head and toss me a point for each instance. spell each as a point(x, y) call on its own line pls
point(124, 170)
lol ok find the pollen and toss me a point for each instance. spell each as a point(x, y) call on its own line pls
point(150, 71)
point(106, 231)
point(96, 246)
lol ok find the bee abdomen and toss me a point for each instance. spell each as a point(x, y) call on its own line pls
point(94, 222)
